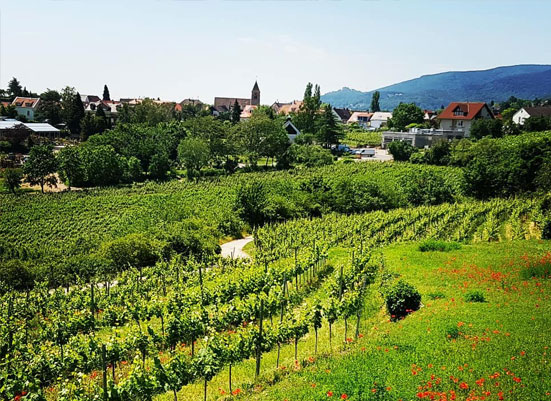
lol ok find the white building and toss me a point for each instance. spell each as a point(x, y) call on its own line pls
point(379, 118)
point(459, 116)
point(26, 106)
point(527, 112)
point(361, 118)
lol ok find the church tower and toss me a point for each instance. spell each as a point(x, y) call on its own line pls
point(255, 95)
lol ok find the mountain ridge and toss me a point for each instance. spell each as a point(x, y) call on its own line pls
point(432, 91)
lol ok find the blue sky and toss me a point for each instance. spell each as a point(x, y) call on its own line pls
point(176, 49)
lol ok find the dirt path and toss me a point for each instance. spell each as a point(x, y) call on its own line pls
point(234, 249)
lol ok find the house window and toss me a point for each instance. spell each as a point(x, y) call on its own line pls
point(28, 113)
point(460, 123)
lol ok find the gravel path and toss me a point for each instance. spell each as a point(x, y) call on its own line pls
point(234, 249)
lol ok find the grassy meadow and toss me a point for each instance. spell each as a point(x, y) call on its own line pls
point(450, 349)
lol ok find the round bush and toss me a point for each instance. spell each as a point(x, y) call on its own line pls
point(401, 299)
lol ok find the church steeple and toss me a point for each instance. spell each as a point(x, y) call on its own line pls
point(255, 95)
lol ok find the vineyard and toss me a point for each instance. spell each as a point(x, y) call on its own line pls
point(171, 328)
point(54, 233)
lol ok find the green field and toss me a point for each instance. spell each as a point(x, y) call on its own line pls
point(498, 349)
point(116, 295)
point(362, 138)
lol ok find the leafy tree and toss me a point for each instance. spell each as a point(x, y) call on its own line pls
point(329, 131)
point(148, 112)
point(100, 112)
point(405, 114)
point(102, 165)
point(8, 111)
point(425, 187)
point(73, 109)
point(250, 202)
point(236, 112)
point(15, 275)
point(533, 124)
point(49, 108)
point(41, 166)
point(14, 88)
point(193, 153)
point(159, 166)
point(213, 132)
point(136, 250)
point(92, 124)
point(439, 153)
point(71, 167)
point(543, 177)
point(506, 166)
point(487, 127)
point(311, 155)
point(375, 102)
point(305, 119)
point(134, 170)
point(106, 95)
point(259, 136)
point(190, 111)
point(359, 195)
point(400, 150)
point(13, 179)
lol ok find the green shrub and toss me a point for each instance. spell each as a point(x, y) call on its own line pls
point(539, 269)
point(401, 299)
point(401, 151)
point(452, 333)
point(15, 275)
point(475, 296)
point(191, 236)
point(436, 295)
point(231, 226)
point(426, 187)
point(440, 246)
point(136, 250)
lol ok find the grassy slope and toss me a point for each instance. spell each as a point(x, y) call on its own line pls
point(508, 335)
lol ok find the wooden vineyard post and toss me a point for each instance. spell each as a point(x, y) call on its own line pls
point(104, 368)
point(259, 343)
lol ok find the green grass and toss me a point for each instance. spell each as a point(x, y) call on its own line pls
point(497, 346)
point(249, 249)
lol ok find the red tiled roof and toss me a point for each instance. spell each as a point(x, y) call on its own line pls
point(465, 111)
point(25, 102)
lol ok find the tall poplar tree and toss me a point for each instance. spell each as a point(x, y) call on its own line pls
point(375, 102)
point(106, 95)
point(236, 112)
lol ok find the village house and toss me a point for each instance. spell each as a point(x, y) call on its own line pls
point(459, 116)
point(287, 108)
point(429, 115)
point(379, 119)
point(110, 107)
point(342, 115)
point(247, 112)
point(528, 112)
point(26, 106)
point(455, 123)
point(361, 118)
point(292, 130)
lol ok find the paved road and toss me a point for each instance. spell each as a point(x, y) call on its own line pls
point(234, 249)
